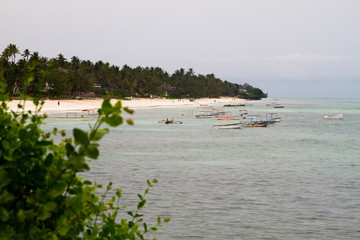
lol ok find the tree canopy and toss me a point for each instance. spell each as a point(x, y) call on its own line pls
point(80, 78)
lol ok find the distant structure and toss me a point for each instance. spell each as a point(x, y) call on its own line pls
point(167, 88)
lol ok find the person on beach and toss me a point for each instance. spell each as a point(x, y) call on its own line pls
point(58, 103)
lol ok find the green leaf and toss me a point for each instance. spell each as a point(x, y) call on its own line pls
point(100, 133)
point(130, 111)
point(4, 179)
point(141, 204)
point(114, 120)
point(130, 213)
point(21, 215)
point(87, 182)
point(145, 228)
point(167, 220)
point(43, 215)
point(69, 149)
point(117, 108)
point(58, 189)
point(140, 196)
point(49, 206)
point(118, 193)
point(92, 152)
point(63, 226)
point(106, 107)
point(36, 101)
point(148, 183)
point(49, 160)
point(6, 197)
point(158, 220)
point(80, 136)
point(4, 215)
point(138, 215)
point(44, 143)
point(154, 229)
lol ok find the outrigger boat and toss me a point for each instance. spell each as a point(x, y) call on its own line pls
point(85, 115)
point(255, 121)
point(208, 113)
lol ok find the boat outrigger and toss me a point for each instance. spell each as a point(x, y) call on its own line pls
point(85, 115)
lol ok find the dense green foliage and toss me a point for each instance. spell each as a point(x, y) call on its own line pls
point(74, 78)
point(41, 194)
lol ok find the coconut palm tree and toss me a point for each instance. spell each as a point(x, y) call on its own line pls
point(26, 54)
point(13, 50)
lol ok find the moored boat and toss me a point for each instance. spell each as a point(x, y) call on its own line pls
point(228, 126)
point(336, 116)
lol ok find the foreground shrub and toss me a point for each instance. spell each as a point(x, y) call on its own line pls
point(41, 194)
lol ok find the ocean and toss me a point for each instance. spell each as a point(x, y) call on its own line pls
point(297, 179)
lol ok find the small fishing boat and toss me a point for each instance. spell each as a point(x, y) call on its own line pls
point(336, 116)
point(228, 126)
point(225, 115)
point(172, 121)
point(235, 105)
point(277, 105)
point(208, 114)
point(255, 121)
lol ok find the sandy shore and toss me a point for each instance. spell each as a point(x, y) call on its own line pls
point(53, 106)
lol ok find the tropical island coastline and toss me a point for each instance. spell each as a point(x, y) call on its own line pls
point(57, 79)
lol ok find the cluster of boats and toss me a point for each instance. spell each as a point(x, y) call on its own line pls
point(243, 119)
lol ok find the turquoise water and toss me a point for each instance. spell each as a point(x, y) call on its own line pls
point(298, 179)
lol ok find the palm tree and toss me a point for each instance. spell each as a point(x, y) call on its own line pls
point(13, 50)
point(26, 54)
point(5, 54)
point(61, 61)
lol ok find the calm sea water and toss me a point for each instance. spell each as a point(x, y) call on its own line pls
point(298, 179)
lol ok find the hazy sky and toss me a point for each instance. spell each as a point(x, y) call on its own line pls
point(288, 48)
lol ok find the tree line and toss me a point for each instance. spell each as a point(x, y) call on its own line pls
point(75, 78)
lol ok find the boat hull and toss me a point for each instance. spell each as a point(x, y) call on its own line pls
point(228, 126)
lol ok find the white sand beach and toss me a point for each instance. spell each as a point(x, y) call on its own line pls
point(53, 106)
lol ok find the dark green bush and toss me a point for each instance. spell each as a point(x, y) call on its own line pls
point(41, 195)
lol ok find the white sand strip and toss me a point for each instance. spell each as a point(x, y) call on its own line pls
point(53, 106)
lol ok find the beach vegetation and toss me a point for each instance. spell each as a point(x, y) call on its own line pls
point(82, 78)
point(42, 195)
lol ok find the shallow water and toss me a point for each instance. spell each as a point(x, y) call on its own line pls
point(298, 179)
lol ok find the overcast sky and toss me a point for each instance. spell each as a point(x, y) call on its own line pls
point(288, 48)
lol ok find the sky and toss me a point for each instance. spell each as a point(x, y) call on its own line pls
point(287, 48)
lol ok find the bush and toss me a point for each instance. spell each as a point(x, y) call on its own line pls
point(41, 195)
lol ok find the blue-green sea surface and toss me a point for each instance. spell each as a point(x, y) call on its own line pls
point(297, 179)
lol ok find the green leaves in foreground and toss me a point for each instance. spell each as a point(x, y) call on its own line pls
point(41, 195)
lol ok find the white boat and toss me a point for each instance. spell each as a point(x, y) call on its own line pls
point(275, 105)
point(336, 116)
point(228, 126)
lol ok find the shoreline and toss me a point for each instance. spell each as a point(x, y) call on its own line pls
point(60, 106)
